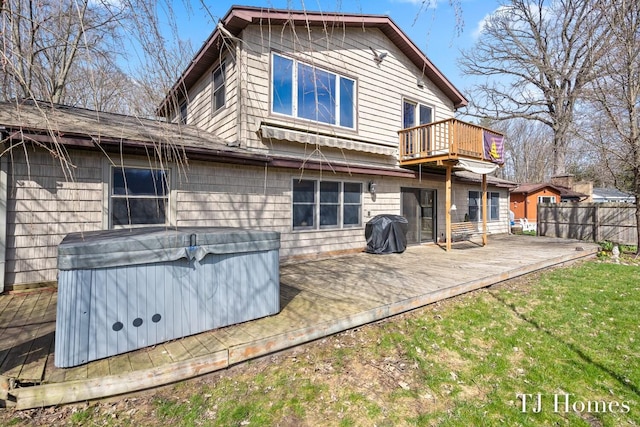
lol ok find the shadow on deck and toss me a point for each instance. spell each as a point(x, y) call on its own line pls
point(318, 298)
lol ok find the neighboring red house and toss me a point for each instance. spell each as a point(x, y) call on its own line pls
point(525, 198)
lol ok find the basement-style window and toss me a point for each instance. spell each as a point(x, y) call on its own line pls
point(475, 206)
point(219, 82)
point(326, 204)
point(138, 196)
point(308, 92)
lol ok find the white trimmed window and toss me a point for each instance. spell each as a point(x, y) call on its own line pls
point(415, 114)
point(138, 196)
point(219, 83)
point(475, 206)
point(183, 113)
point(326, 204)
point(546, 199)
point(308, 92)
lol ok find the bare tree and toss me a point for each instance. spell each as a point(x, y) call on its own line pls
point(537, 58)
point(69, 51)
point(45, 40)
point(527, 150)
point(615, 122)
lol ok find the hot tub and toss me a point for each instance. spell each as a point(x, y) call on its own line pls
point(122, 290)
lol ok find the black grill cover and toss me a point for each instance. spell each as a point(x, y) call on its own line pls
point(386, 234)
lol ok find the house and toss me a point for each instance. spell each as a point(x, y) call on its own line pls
point(526, 197)
point(604, 195)
point(305, 123)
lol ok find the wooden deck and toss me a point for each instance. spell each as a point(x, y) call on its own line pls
point(318, 298)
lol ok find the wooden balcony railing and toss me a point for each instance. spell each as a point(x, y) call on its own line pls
point(449, 139)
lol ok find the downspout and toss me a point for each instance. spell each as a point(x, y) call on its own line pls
point(4, 168)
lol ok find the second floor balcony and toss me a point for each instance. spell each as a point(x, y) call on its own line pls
point(448, 140)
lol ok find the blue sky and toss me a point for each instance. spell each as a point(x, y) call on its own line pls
point(431, 28)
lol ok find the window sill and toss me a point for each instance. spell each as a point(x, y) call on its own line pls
point(320, 230)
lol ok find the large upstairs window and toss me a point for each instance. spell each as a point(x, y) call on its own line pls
point(308, 92)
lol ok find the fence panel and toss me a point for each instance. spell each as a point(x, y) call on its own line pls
point(589, 221)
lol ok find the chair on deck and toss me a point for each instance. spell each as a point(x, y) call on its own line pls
point(526, 225)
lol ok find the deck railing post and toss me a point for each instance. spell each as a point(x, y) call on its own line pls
point(484, 209)
point(447, 207)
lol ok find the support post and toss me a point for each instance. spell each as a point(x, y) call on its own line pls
point(484, 209)
point(447, 207)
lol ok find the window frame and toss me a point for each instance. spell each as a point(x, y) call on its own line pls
point(111, 196)
point(183, 113)
point(294, 95)
point(552, 199)
point(222, 68)
point(318, 204)
point(490, 205)
point(417, 113)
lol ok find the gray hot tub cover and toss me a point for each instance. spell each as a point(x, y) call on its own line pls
point(112, 248)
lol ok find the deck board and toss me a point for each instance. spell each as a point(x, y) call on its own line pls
point(98, 369)
point(317, 298)
point(159, 355)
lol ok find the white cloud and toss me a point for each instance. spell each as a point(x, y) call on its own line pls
point(504, 10)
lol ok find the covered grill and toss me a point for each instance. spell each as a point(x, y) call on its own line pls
point(386, 234)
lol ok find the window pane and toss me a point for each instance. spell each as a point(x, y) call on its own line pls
point(218, 77)
point(408, 115)
point(329, 192)
point(303, 216)
point(316, 94)
point(218, 88)
point(219, 99)
point(139, 182)
point(183, 113)
point(425, 114)
point(474, 206)
point(347, 102)
point(352, 192)
point(125, 211)
point(329, 215)
point(304, 191)
point(494, 214)
point(351, 215)
point(282, 97)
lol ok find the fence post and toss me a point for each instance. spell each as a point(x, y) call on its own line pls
point(596, 223)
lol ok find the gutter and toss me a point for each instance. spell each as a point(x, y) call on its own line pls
point(4, 168)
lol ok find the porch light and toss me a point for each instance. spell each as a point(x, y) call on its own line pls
point(372, 187)
point(453, 207)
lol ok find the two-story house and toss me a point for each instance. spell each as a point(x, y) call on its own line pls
point(306, 123)
point(353, 114)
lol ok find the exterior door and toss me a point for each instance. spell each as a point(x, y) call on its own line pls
point(418, 206)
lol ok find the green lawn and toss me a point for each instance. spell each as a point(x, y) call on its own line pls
point(571, 336)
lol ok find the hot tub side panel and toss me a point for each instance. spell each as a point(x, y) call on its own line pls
point(104, 312)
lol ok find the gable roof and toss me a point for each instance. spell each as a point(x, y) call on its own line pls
point(565, 192)
point(239, 17)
